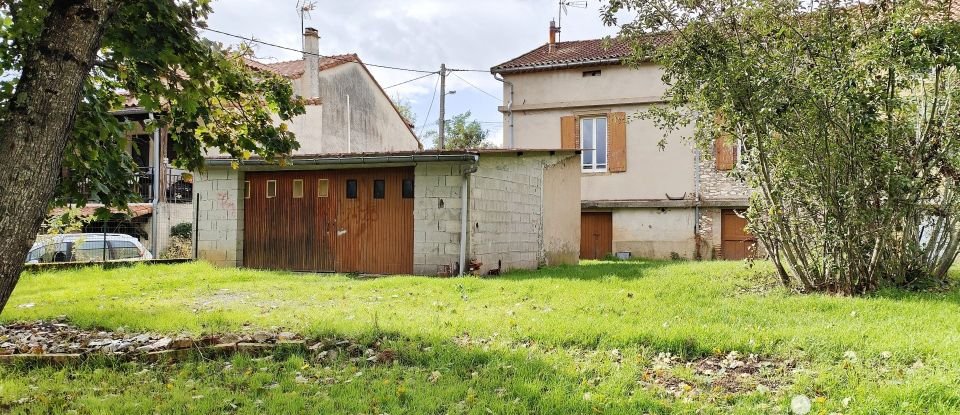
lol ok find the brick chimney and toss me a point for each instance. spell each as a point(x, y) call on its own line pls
point(554, 31)
point(311, 57)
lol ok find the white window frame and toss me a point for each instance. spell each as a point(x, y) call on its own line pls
point(592, 166)
point(275, 190)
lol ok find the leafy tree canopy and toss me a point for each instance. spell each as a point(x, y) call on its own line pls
point(462, 133)
point(849, 112)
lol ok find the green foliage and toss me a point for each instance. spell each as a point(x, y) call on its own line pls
point(202, 94)
point(183, 230)
point(849, 114)
point(462, 133)
point(525, 342)
point(405, 109)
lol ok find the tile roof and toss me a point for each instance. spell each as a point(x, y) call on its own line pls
point(295, 69)
point(574, 53)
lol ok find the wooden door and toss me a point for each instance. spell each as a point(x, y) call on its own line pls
point(288, 222)
point(596, 235)
point(374, 222)
point(737, 242)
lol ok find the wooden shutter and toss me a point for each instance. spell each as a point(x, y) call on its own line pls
point(617, 142)
point(569, 133)
point(725, 153)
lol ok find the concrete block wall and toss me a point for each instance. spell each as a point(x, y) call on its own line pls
point(506, 224)
point(436, 217)
point(167, 216)
point(219, 227)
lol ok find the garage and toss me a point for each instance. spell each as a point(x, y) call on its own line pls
point(355, 220)
point(737, 242)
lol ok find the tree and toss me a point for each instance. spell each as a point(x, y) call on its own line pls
point(405, 109)
point(69, 63)
point(849, 112)
point(462, 134)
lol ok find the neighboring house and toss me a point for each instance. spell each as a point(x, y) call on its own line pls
point(347, 110)
point(425, 213)
point(635, 197)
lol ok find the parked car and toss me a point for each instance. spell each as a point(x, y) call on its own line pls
point(87, 247)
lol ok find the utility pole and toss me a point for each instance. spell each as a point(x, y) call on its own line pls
point(443, 102)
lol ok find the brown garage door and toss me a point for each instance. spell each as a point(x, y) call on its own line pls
point(737, 242)
point(596, 235)
point(323, 221)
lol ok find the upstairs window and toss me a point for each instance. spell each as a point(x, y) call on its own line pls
point(298, 189)
point(351, 189)
point(271, 189)
point(593, 140)
point(323, 187)
point(587, 74)
point(408, 188)
point(379, 189)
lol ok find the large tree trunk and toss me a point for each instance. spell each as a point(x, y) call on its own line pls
point(40, 119)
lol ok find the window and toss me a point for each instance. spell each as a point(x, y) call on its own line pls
point(298, 188)
point(271, 189)
point(379, 189)
point(246, 189)
point(593, 140)
point(90, 251)
point(124, 250)
point(408, 188)
point(323, 187)
point(587, 74)
point(351, 189)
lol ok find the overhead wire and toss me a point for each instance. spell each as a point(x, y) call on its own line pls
point(411, 80)
point(430, 108)
point(478, 88)
point(249, 39)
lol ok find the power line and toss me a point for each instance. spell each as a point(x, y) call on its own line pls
point(478, 88)
point(486, 71)
point(430, 108)
point(248, 39)
point(411, 80)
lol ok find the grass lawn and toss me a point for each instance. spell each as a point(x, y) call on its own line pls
point(604, 337)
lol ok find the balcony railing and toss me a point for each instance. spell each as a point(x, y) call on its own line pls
point(175, 188)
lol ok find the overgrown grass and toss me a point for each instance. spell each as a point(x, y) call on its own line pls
point(536, 342)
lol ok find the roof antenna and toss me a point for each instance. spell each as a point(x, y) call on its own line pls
point(304, 7)
point(580, 4)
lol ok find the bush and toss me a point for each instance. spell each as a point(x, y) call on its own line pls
point(183, 230)
point(179, 248)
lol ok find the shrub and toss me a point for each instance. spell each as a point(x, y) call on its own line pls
point(179, 248)
point(183, 230)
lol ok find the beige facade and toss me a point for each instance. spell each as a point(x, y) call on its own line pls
point(664, 204)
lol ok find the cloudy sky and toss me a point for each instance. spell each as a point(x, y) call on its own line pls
point(420, 34)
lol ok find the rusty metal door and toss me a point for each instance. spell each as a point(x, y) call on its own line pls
point(596, 235)
point(737, 243)
point(289, 221)
point(375, 221)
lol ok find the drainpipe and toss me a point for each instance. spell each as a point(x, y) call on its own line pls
point(464, 212)
point(156, 189)
point(696, 207)
point(509, 105)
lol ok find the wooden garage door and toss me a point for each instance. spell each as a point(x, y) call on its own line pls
point(737, 243)
point(311, 223)
point(596, 235)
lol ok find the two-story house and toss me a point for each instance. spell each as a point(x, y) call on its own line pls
point(635, 196)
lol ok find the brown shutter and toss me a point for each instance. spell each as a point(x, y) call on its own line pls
point(568, 133)
point(617, 143)
point(725, 153)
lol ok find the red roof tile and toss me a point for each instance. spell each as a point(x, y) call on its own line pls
point(295, 69)
point(573, 53)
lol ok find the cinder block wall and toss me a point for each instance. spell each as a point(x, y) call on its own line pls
point(436, 217)
point(219, 227)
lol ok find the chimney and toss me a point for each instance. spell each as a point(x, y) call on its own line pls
point(554, 31)
point(311, 57)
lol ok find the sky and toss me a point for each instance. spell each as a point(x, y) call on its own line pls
point(417, 34)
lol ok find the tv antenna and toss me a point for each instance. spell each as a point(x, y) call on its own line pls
point(564, 4)
point(304, 7)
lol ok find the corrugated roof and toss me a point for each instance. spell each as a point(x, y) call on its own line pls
point(575, 53)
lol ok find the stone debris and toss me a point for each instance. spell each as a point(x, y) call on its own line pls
point(58, 337)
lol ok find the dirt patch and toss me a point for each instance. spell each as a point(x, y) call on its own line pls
point(732, 373)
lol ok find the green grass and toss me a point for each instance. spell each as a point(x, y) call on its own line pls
point(528, 342)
